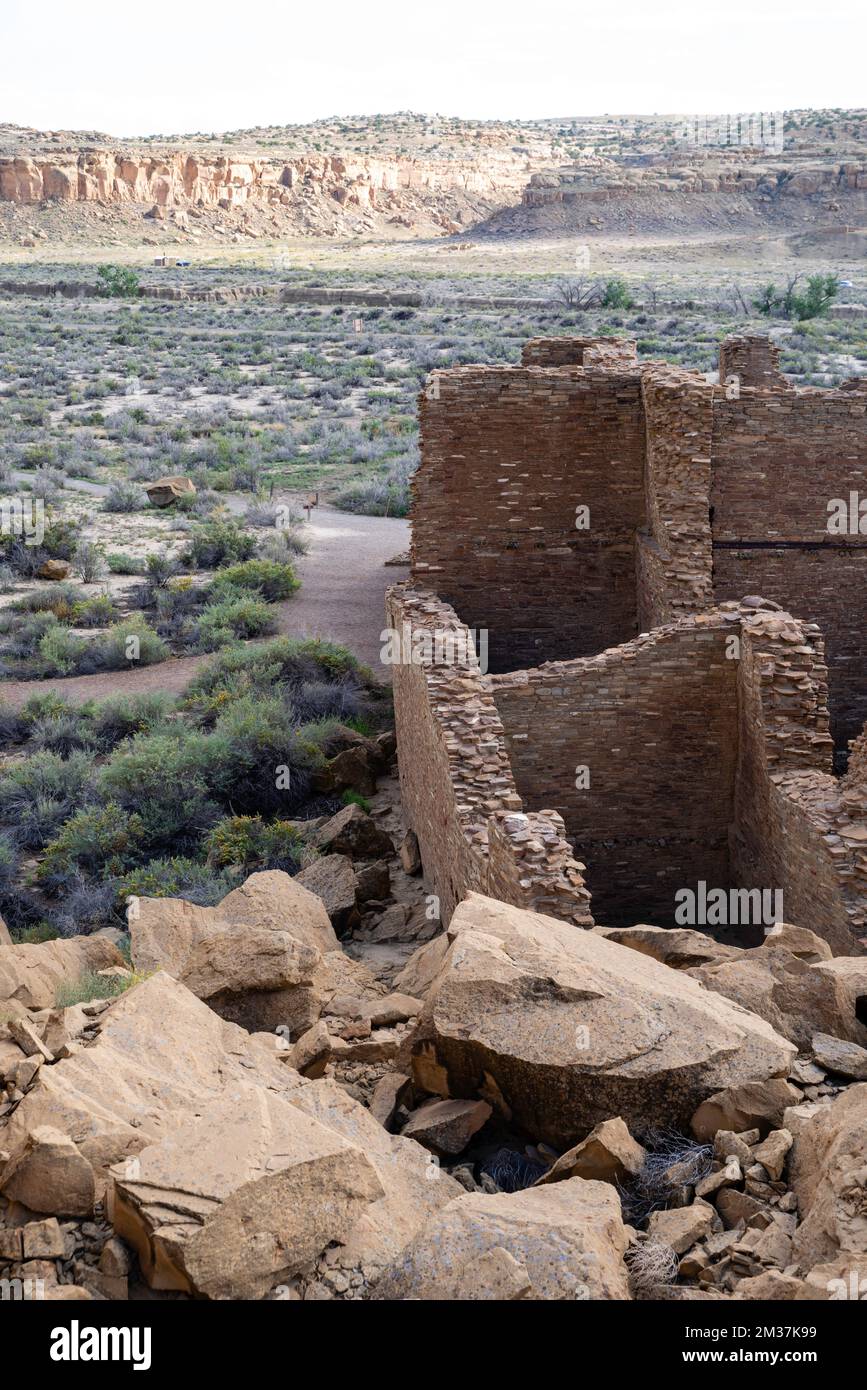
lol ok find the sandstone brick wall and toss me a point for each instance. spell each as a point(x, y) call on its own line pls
point(457, 786)
point(580, 352)
point(778, 460)
point(654, 721)
point(674, 556)
point(754, 359)
point(789, 810)
point(508, 454)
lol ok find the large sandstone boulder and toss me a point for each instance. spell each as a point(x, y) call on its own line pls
point(31, 973)
point(565, 1241)
point(235, 1202)
point(679, 947)
point(230, 1204)
point(828, 1174)
point(161, 1056)
point(567, 1029)
point(798, 999)
point(254, 957)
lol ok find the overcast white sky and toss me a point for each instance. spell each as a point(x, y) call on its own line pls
point(167, 66)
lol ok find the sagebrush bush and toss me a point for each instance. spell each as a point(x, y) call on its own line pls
point(176, 877)
point(38, 795)
point(218, 543)
point(235, 617)
point(273, 580)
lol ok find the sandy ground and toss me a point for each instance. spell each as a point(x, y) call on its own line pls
point(343, 582)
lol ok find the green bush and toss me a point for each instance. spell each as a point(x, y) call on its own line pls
point(236, 617)
point(131, 642)
point(162, 777)
point(216, 544)
point(117, 282)
point(616, 295)
point(251, 843)
point(60, 651)
point(272, 579)
point(266, 667)
point(176, 878)
point(119, 563)
point(97, 840)
point(256, 761)
point(121, 716)
point(92, 986)
point(38, 795)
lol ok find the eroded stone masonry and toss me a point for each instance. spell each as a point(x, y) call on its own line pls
point(673, 628)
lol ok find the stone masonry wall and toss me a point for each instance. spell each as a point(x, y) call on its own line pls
point(580, 352)
point(778, 460)
point(754, 359)
point(457, 787)
point(508, 454)
point(654, 723)
point(674, 555)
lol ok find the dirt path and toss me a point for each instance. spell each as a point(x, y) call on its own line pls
point(343, 583)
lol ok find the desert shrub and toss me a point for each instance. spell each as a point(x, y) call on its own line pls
point(98, 611)
point(218, 543)
point(236, 617)
point(161, 569)
point(89, 561)
point(132, 641)
point(59, 599)
point(95, 841)
point(256, 760)
point(123, 496)
point(287, 662)
point(273, 580)
point(162, 776)
point(92, 986)
point(616, 295)
point(38, 795)
point(60, 651)
point(13, 726)
point(287, 540)
point(252, 843)
point(176, 878)
point(117, 282)
point(119, 563)
point(62, 733)
point(8, 863)
point(122, 716)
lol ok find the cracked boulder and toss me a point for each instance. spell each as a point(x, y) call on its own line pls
point(159, 1057)
point(793, 995)
point(230, 1204)
point(566, 1029)
point(565, 1241)
point(237, 1201)
point(254, 957)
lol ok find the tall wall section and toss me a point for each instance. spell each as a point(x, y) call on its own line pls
point(508, 455)
point(779, 459)
point(457, 787)
point(636, 750)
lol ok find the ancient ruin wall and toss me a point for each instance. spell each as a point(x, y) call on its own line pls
point(508, 455)
point(673, 555)
point(652, 725)
point(580, 352)
point(789, 811)
point(457, 787)
point(778, 460)
point(751, 359)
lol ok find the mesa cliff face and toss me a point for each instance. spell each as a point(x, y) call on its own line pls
point(185, 179)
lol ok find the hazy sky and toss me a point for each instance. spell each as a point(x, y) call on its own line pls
point(166, 66)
